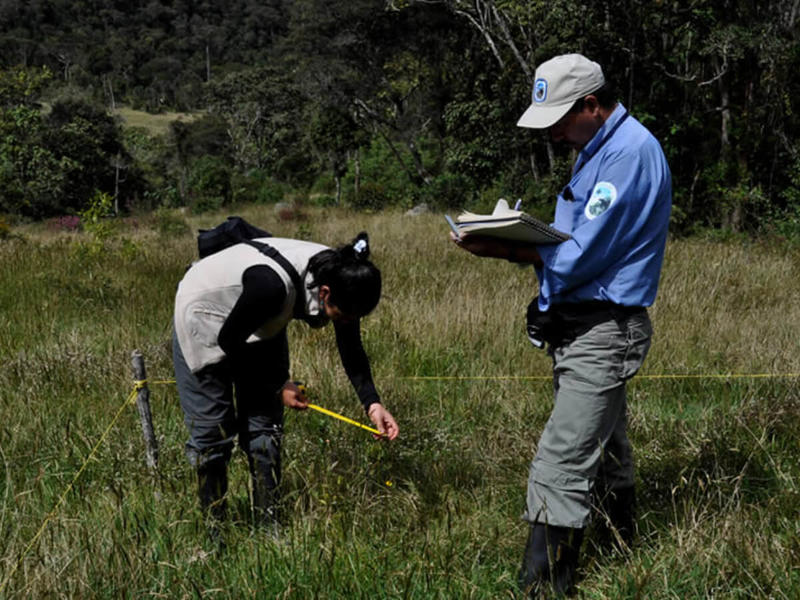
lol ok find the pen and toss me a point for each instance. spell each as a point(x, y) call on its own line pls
point(453, 227)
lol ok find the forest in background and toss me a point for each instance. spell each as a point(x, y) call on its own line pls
point(373, 103)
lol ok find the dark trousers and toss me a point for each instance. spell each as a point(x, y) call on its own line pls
point(212, 416)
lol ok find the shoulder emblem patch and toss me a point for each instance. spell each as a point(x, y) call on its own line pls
point(603, 196)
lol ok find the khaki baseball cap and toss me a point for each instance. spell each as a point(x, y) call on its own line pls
point(558, 83)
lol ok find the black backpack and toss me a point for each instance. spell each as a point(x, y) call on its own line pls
point(235, 230)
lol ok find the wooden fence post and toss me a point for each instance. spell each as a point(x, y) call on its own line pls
point(143, 404)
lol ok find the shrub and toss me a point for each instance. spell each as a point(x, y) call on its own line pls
point(5, 229)
point(96, 217)
point(445, 191)
point(271, 191)
point(258, 187)
point(64, 223)
point(378, 167)
point(170, 224)
point(322, 200)
point(209, 184)
point(371, 196)
point(206, 204)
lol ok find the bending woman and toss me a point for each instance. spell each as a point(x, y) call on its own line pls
point(231, 313)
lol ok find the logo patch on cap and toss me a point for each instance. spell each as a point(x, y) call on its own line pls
point(603, 196)
point(540, 90)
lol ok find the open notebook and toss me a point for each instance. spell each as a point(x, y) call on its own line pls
point(509, 224)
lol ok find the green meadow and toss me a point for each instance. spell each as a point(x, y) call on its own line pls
point(714, 418)
point(153, 124)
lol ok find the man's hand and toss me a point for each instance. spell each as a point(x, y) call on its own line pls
point(482, 245)
point(293, 396)
point(383, 420)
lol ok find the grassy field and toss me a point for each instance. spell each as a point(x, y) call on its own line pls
point(154, 124)
point(435, 514)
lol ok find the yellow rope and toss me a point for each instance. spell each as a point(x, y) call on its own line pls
point(550, 377)
point(721, 376)
point(644, 376)
point(52, 513)
point(474, 377)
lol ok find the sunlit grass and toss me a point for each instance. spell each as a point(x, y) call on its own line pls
point(153, 123)
point(435, 514)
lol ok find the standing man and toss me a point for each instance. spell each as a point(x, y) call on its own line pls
point(593, 290)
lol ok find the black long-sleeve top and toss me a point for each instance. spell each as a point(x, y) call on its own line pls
point(263, 296)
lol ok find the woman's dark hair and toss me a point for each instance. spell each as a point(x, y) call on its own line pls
point(354, 281)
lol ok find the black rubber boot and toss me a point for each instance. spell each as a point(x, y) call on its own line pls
point(550, 561)
point(212, 485)
point(616, 526)
point(265, 470)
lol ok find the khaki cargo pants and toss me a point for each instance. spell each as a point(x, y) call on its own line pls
point(585, 438)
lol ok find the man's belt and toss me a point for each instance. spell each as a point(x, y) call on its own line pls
point(563, 323)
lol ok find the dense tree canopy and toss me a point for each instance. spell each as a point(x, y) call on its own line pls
point(394, 101)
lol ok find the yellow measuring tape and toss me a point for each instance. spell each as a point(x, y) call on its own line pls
point(335, 415)
point(330, 413)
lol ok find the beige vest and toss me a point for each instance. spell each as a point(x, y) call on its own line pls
point(207, 293)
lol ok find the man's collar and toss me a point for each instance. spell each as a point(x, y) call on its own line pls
point(601, 133)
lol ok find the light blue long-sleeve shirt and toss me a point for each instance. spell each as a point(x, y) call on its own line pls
point(618, 219)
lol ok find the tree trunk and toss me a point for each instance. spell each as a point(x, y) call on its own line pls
point(534, 168)
point(509, 40)
point(108, 88)
point(725, 111)
point(481, 26)
point(182, 186)
point(422, 173)
point(551, 155)
point(357, 174)
point(792, 15)
point(116, 185)
point(397, 156)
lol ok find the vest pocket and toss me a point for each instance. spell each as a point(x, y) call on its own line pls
point(205, 321)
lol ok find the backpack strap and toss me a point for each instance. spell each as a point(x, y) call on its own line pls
point(300, 295)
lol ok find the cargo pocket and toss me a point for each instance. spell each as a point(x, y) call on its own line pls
point(638, 344)
point(559, 479)
point(557, 497)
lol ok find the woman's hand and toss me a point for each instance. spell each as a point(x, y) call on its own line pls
point(383, 420)
point(293, 397)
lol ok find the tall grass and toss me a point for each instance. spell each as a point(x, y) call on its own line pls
point(436, 514)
